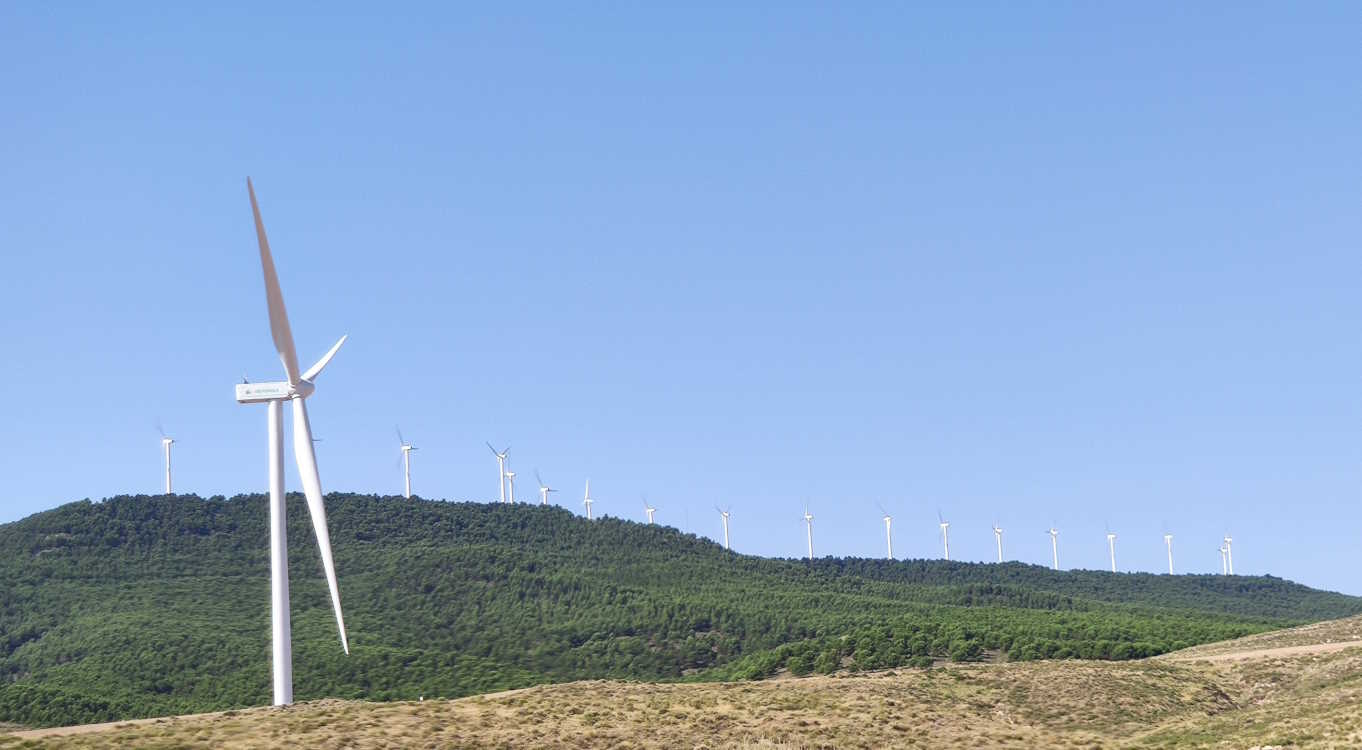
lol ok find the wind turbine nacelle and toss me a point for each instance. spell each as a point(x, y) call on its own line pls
point(260, 393)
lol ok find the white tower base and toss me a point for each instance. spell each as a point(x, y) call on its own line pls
point(282, 651)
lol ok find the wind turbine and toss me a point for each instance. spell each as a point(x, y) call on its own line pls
point(998, 537)
point(166, 442)
point(1224, 571)
point(1111, 544)
point(1229, 554)
point(1054, 545)
point(888, 532)
point(544, 489)
point(510, 484)
point(650, 510)
point(501, 469)
point(808, 520)
point(296, 390)
point(1168, 541)
point(724, 514)
point(945, 534)
point(587, 502)
point(407, 448)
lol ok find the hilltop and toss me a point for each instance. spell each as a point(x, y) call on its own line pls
point(156, 605)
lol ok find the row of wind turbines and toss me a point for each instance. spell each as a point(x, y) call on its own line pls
point(506, 494)
point(1226, 549)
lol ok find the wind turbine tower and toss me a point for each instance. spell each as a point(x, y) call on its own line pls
point(501, 469)
point(1229, 554)
point(808, 521)
point(724, 515)
point(166, 442)
point(945, 534)
point(544, 489)
point(649, 510)
point(888, 532)
point(587, 501)
point(295, 390)
point(998, 537)
point(407, 448)
point(1054, 547)
point(510, 484)
point(1224, 571)
point(1111, 545)
point(1168, 541)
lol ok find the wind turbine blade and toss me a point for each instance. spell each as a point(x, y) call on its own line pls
point(283, 337)
point(312, 488)
point(315, 370)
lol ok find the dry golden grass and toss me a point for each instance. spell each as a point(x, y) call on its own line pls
point(1289, 699)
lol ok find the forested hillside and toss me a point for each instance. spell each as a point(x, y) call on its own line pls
point(140, 606)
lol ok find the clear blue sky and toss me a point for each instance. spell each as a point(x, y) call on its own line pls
point(1033, 262)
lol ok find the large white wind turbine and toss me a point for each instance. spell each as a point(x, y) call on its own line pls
point(510, 485)
point(888, 532)
point(1229, 555)
point(1054, 546)
point(407, 448)
point(1111, 544)
point(1168, 541)
point(298, 387)
point(544, 489)
point(166, 442)
point(724, 515)
point(1224, 571)
point(649, 510)
point(808, 521)
point(998, 537)
point(945, 534)
point(501, 469)
point(587, 501)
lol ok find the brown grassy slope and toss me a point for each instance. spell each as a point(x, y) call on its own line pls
point(1346, 630)
point(1301, 700)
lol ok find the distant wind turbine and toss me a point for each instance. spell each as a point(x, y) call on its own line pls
point(406, 448)
point(1229, 554)
point(888, 532)
point(1224, 571)
point(649, 510)
point(998, 537)
point(1168, 541)
point(166, 442)
point(724, 514)
point(510, 484)
point(1111, 544)
point(587, 501)
point(1054, 546)
point(544, 489)
point(296, 390)
point(945, 534)
point(501, 469)
point(808, 521)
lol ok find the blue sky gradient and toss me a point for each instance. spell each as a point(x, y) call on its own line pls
point(1032, 262)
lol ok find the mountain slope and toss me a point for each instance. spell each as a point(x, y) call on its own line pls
point(1256, 698)
point(140, 606)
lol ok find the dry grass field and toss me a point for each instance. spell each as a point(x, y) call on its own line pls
point(1276, 694)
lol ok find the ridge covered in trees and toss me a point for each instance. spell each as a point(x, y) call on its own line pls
point(154, 605)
